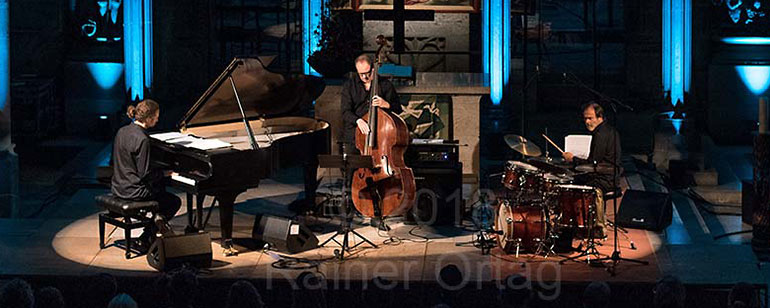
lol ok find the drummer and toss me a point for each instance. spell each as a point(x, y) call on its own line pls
point(605, 152)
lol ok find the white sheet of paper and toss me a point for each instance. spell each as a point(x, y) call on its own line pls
point(198, 143)
point(167, 136)
point(578, 145)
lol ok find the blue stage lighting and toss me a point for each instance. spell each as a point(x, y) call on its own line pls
point(755, 77)
point(746, 40)
point(5, 73)
point(106, 74)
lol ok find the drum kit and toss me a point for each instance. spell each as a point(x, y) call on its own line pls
point(541, 208)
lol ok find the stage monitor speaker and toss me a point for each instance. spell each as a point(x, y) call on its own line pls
point(439, 196)
point(283, 234)
point(168, 253)
point(645, 210)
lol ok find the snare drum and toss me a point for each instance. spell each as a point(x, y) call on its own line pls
point(551, 181)
point(522, 176)
point(522, 226)
point(577, 204)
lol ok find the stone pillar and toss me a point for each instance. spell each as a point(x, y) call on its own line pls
point(761, 220)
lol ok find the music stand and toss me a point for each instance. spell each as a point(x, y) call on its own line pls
point(345, 162)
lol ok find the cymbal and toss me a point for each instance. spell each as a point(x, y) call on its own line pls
point(600, 168)
point(521, 145)
point(548, 166)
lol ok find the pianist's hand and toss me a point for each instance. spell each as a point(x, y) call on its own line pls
point(362, 126)
point(380, 102)
point(568, 156)
point(168, 173)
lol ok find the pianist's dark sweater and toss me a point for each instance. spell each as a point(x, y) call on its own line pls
point(132, 177)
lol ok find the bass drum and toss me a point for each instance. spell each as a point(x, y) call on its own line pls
point(521, 226)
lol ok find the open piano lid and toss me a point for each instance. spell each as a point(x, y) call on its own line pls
point(262, 93)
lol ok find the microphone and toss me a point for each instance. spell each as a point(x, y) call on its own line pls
point(563, 78)
point(537, 72)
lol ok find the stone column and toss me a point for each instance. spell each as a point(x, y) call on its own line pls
point(761, 219)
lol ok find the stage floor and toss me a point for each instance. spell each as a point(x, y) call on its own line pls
point(63, 242)
point(68, 245)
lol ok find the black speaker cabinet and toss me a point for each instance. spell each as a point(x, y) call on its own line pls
point(438, 199)
point(283, 234)
point(747, 201)
point(645, 210)
point(168, 253)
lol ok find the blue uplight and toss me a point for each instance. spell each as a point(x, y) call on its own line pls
point(677, 124)
point(498, 54)
point(746, 40)
point(755, 77)
point(147, 43)
point(311, 16)
point(133, 48)
point(137, 46)
point(677, 44)
point(106, 74)
point(4, 68)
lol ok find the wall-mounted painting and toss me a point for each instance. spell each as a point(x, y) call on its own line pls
point(450, 6)
point(427, 116)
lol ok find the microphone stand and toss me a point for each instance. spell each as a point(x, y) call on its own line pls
point(615, 258)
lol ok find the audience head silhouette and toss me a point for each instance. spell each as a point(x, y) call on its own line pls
point(122, 300)
point(49, 297)
point(669, 292)
point(596, 295)
point(515, 291)
point(243, 294)
point(309, 291)
point(17, 294)
point(183, 287)
point(743, 295)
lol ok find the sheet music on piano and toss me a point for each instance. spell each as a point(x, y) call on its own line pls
point(191, 141)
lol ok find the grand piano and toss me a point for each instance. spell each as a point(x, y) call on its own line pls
point(245, 97)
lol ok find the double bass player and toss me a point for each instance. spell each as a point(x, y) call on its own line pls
point(355, 105)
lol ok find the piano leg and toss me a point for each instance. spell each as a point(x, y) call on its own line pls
point(190, 212)
point(226, 201)
point(199, 213)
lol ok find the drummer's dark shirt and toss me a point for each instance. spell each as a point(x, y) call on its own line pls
point(605, 149)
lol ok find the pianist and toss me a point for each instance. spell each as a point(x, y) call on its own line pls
point(133, 178)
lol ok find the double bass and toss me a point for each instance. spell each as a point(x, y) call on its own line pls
point(388, 187)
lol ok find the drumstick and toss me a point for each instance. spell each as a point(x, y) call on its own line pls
point(551, 142)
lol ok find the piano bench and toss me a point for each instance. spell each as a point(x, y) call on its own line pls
point(125, 214)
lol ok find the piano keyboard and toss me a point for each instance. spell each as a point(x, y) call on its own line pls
point(183, 179)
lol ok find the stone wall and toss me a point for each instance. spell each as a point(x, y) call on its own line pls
point(447, 32)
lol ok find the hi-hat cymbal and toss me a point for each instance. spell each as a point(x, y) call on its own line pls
point(599, 168)
point(521, 145)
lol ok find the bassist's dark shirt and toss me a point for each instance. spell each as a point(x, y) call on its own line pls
point(355, 104)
